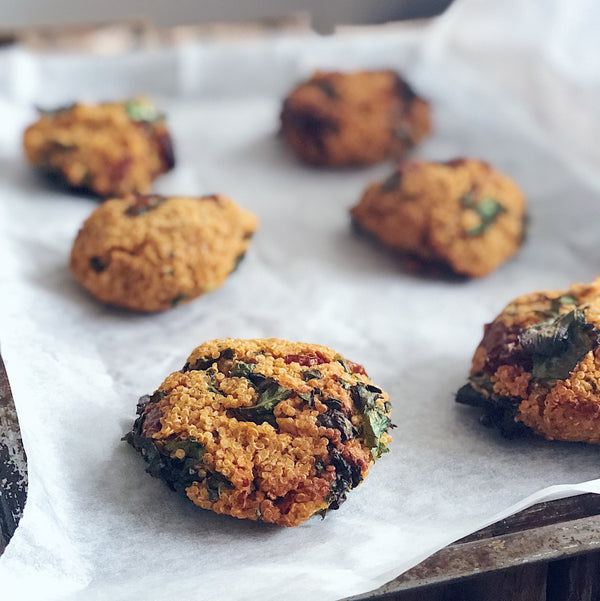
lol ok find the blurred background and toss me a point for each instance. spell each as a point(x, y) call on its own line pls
point(118, 25)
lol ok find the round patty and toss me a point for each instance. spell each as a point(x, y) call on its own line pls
point(537, 368)
point(344, 119)
point(461, 215)
point(149, 253)
point(108, 149)
point(265, 430)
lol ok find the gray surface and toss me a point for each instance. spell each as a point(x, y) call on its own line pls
point(13, 465)
point(177, 12)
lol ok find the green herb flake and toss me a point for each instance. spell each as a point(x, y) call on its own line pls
point(311, 374)
point(488, 209)
point(142, 111)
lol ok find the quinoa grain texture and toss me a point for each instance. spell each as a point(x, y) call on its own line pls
point(265, 429)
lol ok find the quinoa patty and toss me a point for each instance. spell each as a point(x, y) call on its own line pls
point(107, 149)
point(345, 119)
point(149, 253)
point(461, 215)
point(537, 368)
point(266, 430)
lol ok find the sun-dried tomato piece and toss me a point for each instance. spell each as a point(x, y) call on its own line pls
point(307, 360)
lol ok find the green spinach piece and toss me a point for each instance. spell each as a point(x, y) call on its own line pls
point(325, 86)
point(271, 393)
point(374, 420)
point(344, 363)
point(364, 395)
point(334, 418)
point(391, 183)
point(142, 111)
point(178, 299)
point(347, 476)
point(213, 385)
point(145, 204)
point(558, 345)
point(237, 262)
point(308, 397)
point(556, 304)
point(498, 411)
point(179, 474)
point(215, 484)
point(242, 370)
point(488, 209)
point(311, 374)
point(204, 363)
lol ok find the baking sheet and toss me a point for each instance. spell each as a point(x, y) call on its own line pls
point(96, 526)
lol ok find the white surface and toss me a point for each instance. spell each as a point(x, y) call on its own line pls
point(96, 526)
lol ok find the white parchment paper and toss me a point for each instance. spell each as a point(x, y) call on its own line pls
point(96, 526)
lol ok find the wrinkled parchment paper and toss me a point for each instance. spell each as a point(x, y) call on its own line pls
point(515, 84)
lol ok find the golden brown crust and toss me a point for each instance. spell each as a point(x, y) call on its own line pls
point(437, 213)
point(504, 368)
point(298, 457)
point(107, 149)
point(345, 119)
point(148, 253)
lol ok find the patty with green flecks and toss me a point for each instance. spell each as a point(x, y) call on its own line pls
point(537, 368)
point(462, 216)
point(150, 253)
point(106, 149)
point(265, 429)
